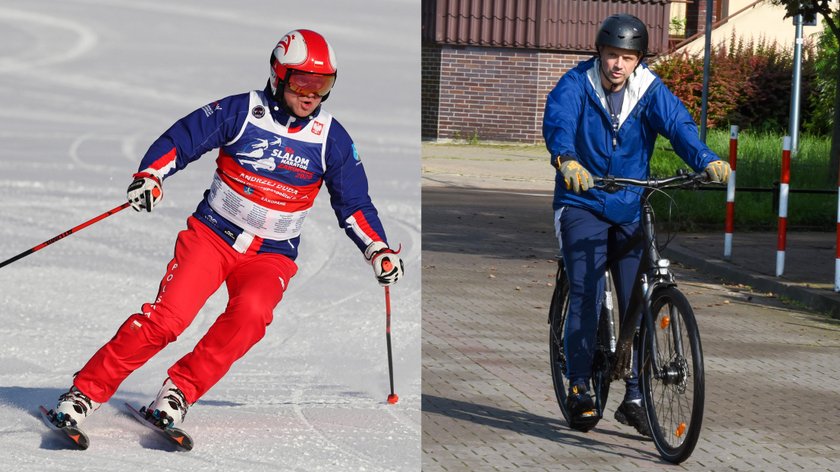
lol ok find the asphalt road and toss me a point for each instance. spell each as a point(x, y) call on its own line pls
point(772, 376)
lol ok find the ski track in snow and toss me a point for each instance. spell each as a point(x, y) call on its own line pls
point(86, 86)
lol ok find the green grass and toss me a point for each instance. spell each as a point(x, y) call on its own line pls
point(758, 165)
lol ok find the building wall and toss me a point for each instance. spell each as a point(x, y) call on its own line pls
point(488, 65)
point(555, 25)
point(488, 94)
point(429, 91)
point(755, 21)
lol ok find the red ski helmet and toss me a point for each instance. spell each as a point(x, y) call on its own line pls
point(304, 60)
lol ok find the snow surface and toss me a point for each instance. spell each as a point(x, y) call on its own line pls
point(85, 87)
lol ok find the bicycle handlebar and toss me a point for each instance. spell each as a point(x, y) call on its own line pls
point(686, 179)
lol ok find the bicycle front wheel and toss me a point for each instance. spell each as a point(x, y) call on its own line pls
point(674, 397)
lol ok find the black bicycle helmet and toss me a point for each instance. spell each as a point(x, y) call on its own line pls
point(623, 31)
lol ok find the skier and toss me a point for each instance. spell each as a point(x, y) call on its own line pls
point(276, 147)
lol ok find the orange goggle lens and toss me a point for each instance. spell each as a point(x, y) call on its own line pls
point(306, 84)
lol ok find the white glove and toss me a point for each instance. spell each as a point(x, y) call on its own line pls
point(145, 192)
point(387, 265)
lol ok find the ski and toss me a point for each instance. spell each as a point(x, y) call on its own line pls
point(71, 433)
point(177, 436)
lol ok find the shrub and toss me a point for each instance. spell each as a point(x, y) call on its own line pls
point(749, 85)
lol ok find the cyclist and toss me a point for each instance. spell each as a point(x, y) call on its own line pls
point(602, 118)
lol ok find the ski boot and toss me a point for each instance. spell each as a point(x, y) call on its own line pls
point(169, 408)
point(73, 408)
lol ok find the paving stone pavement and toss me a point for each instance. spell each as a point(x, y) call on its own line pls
point(772, 370)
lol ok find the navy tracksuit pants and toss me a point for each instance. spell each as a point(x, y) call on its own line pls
point(587, 242)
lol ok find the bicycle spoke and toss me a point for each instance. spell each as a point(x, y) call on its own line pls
point(675, 397)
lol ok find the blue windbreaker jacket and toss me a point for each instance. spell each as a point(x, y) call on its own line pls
point(576, 124)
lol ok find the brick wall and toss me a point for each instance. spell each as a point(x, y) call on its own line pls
point(695, 17)
point(429, 92)
point(552, 66)
point(488, 94)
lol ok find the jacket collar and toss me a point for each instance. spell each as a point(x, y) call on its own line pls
point(639, 82)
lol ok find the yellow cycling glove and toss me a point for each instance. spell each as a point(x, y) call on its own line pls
point(718, 171)
point(577, 178)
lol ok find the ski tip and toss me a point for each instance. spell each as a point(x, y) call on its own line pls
point(74, 434)
point(80, 439)
point(184, 441)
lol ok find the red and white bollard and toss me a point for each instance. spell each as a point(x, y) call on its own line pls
point(729, 225)
point(784, 190)
point(837, 244)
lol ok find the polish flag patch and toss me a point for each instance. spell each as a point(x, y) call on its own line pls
point(317, 127)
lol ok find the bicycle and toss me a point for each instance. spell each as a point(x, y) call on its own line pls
point(670, 371)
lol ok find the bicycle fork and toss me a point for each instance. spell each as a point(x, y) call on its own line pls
point(654, 273)
point(670, 371)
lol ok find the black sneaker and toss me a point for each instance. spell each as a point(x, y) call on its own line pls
point(632, 413)
point(583, 415)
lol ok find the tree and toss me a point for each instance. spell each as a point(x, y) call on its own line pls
point(829, 11)
point(820, 106)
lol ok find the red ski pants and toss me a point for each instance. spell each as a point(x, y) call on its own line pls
point(255, 284)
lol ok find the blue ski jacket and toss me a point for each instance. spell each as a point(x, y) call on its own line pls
point(576, 124)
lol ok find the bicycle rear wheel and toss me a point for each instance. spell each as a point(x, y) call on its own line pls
point(557, 332)
point(674, 399)
point(601, 366)
point(604, 355)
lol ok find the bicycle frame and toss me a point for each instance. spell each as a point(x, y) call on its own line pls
point(658, 317)
point(654, 272)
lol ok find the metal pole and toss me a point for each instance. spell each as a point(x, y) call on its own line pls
point(707, 67)
point(65, 234)
point(729, 223)
point(837, 246)
point(793, 126)
point(392, 397)
point(784, 188)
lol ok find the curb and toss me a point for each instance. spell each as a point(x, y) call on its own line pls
point(815, 299)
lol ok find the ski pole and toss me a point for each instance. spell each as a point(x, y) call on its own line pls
point(65, 234)
point(392, 398)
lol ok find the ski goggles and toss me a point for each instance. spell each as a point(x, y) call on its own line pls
point(304, 83)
